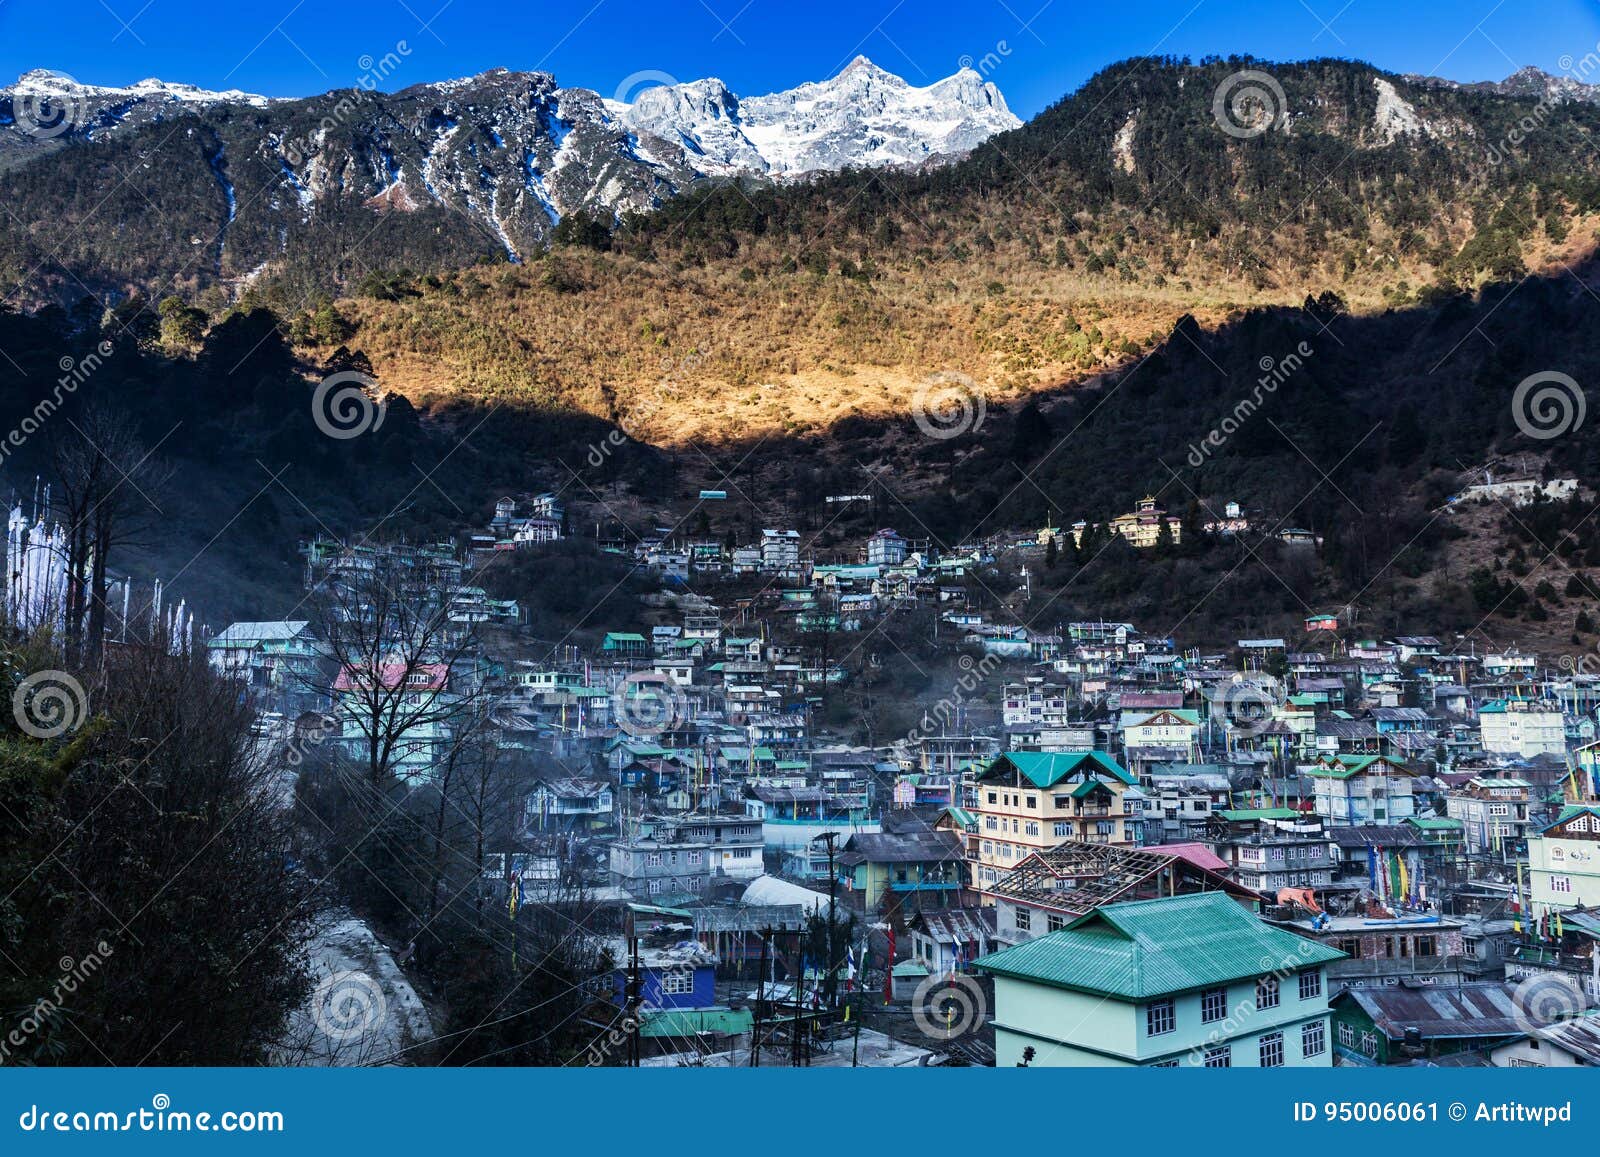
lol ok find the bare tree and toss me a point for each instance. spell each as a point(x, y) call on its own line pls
point(106, 480)
point(404, 675)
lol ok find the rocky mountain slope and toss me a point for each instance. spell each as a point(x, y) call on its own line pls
point(223, 189)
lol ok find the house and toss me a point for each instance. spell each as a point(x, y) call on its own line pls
point(886, 548)
point(1521, 727)
point(1028, 801)
point(569, 804)
point(1377, 951)
point(1401, 1023)
point(1141, 526)
point(282, 661)
point(626, 644)
point(1050, 889)
point(780, 551)
point(951, 940)
point(1564, 861)
point(661, 871)
point(1565, 1044)
point(1182, 981)
point(1493, 811)
point(909, 871)
point(1363, 789)
point(733, 843)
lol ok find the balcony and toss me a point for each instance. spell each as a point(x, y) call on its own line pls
point(1094, 809)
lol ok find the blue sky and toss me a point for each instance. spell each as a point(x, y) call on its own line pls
point(1035, 50)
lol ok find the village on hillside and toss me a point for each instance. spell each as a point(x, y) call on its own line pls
point(1093, 848)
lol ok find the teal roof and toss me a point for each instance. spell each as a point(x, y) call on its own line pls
point(1242, 815)
point(1046, 769)
point(681, 1022)
point(1152, 948)
point(1345, 766)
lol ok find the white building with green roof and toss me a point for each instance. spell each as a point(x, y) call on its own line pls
point(1183, 981)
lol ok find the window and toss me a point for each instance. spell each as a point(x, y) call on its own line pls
point(1063, 801)
point(1063, 828)
point(1427, 946)
point(1024, 919)
point(1165, 1065)
point(1213, 1005)
point(1033, 802)
point(695, 858)
point(1160, 1018)
point(678, 982)
point(654, 886)
point(1561, 884)
point(1272, 1050)
point(1054, 923)
point(1267, 992)
point(1369, 1043)
point(653, 860)
point(988, 848)
point(992, 797)
point(990, 823)
point(1347, 1036)
point(1313, 1040)
point(1030, 829)
point(1219, 1057)
point(1310, 985)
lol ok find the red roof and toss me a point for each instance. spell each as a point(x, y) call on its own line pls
point(1197, 854)
point(422, 676)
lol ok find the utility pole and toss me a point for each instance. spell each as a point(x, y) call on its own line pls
point(635, 994)
point(761, 996)
point(831, 981)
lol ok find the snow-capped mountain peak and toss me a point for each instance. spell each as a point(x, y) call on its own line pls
point(864, 116)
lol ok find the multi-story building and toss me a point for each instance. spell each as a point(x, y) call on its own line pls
point(733, 843)
point(1363, 789)
point(1522, 727)
point(780, 551)
point(1269, 850)
point(1184, 981)
point(886, 548)
point(1028, 801)
point(1493, 812)
point(1564, 861)
point(661, 871)
point(1374, 951)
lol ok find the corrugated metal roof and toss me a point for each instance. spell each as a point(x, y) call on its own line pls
point(1154, 947)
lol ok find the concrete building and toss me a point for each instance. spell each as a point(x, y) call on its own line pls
point(1521, 727)
point(1193, 981)
point(1564, 861)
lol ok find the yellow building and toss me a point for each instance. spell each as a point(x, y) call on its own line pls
point(1030, 801)
point(1564, 861)
point(1141, 526)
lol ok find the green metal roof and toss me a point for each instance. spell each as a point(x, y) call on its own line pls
point(678, 1022)
point(1046, 769)
point(1241, 815)
point(1152, 948)
point(1435, 824)
point(1345, 766)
